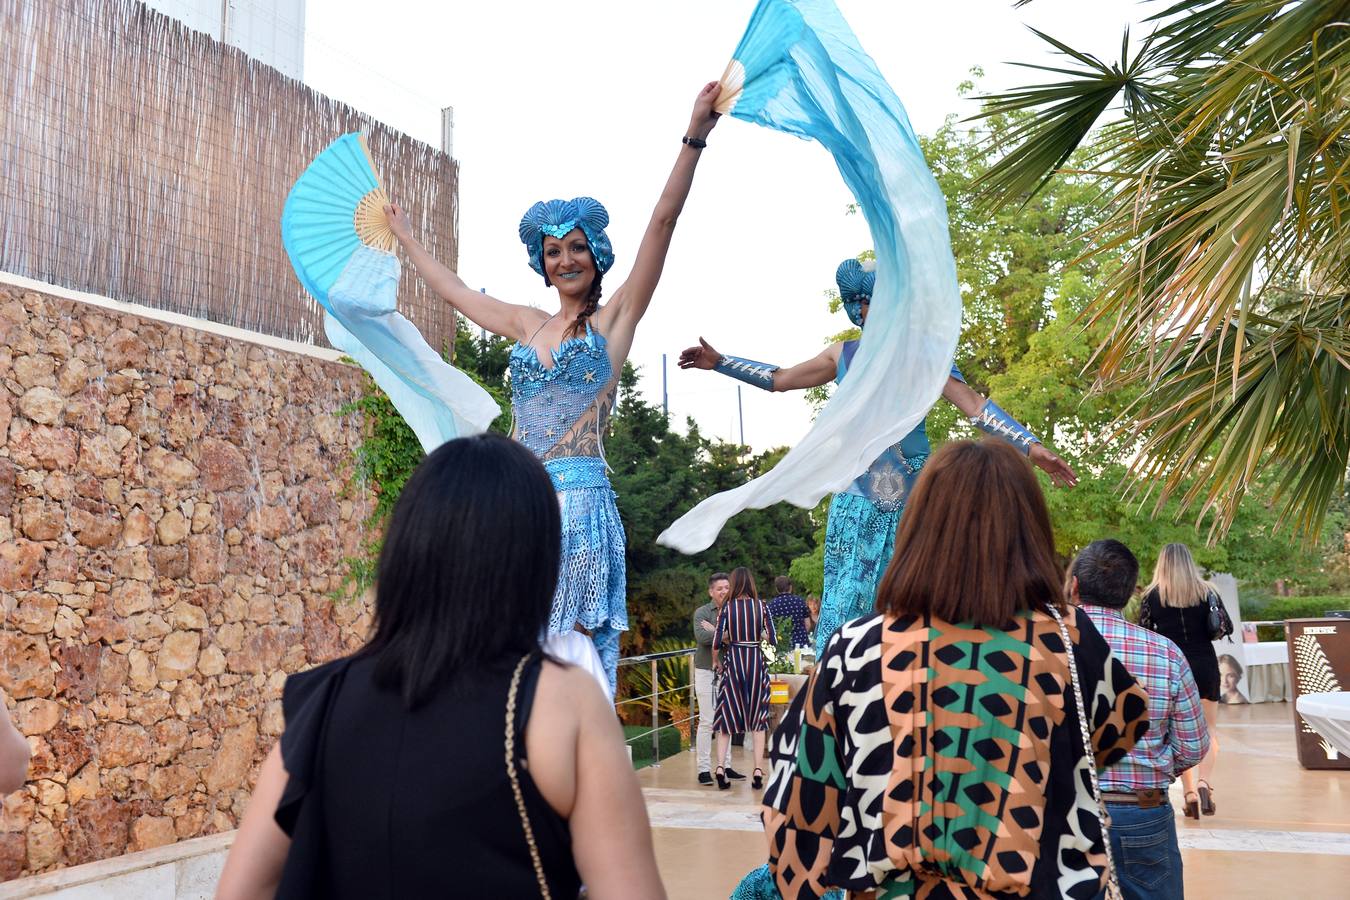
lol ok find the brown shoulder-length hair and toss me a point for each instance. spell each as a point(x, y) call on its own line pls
point(975, 543)
point(742, 584)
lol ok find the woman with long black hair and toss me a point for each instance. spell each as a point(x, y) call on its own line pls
point(449, 757)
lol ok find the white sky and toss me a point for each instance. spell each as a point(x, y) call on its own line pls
point(564, 99)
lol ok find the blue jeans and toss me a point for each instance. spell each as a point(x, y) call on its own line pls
point(1148, 859)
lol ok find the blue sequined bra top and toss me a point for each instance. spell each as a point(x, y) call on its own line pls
point(891, 476)
point(562, 410)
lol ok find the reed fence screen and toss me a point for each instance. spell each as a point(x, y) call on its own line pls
point(147, 162)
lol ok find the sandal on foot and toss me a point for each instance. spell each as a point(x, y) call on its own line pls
point(723, 784)
point(1206, 795)
point(1192, 805)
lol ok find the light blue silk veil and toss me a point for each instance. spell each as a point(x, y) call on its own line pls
point(438, 401)
point(801, 71)
point(357, 285)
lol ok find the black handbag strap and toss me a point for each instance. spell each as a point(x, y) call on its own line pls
point(514, 777)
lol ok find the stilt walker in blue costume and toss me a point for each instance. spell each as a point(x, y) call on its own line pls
point(799, 69)
point(863, 519)
point(565, 369)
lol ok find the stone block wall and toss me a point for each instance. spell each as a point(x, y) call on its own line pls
point(173, 515)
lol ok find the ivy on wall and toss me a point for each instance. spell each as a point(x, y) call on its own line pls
point(390, 450)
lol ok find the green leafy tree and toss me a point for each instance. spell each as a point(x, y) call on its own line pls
point(390, 450)
point(485, 358)
point(1222, 164)
point(1025, 287)
point(659, 475)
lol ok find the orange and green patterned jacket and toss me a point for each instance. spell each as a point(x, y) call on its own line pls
point(931, 760)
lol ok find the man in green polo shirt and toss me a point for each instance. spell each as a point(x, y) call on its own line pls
point(705, 627)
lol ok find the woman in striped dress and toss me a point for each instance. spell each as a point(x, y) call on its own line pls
point(742, 702)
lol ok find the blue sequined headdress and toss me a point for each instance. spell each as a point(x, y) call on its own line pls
point(557, 218)
point(855, 281)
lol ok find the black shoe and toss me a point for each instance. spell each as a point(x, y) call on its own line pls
point(734, 775)
point(722, 783)
point(758, 781)
point(705, 778)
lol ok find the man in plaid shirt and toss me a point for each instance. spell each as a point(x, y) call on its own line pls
point(1143, 829)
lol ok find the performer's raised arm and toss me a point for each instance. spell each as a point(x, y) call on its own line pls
point(510, 320)
point(621, 315)
point(819, 369)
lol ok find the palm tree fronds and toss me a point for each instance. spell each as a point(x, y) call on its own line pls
point(1225, 172)
point(1070, 109)
point(1287, 411)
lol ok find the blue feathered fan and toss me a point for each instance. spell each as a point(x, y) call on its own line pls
point(762, 59)
point(336, 206)
point(339, 240)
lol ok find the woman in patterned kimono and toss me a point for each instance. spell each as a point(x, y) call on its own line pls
point(936, 750)
point(742, 702)
point(565, 369)
point(860, 532)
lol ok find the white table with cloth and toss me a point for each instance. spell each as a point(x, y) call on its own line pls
point(1268, 672)
point(1329, 716)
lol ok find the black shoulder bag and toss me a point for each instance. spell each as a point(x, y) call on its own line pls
point(1220, 626)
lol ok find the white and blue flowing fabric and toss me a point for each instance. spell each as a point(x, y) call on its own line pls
point(800, 70)
point(357, 285)
point(438, 401)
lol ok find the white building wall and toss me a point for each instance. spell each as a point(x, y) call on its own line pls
point(270, 31)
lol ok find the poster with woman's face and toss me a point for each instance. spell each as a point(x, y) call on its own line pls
point(1232, 679)
point(1230, 650)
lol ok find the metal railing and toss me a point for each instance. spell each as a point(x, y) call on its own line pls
point(654, 695)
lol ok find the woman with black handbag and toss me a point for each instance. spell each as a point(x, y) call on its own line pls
point(1182, 606)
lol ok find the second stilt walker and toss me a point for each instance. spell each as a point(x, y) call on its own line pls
point(863, 518)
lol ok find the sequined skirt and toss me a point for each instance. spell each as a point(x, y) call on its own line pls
point(760, 885)
point(859, 543)
point(592, 577)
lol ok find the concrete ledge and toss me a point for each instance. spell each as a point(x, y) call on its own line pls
point(187, 870)
point(169, 317)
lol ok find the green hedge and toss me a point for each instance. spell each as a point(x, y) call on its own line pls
point(1280, 608)
point(668, 738)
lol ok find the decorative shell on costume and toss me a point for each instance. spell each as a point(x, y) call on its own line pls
point(556, 218)
point(855, 280)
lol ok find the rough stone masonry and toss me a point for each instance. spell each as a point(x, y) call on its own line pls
point(174, 511)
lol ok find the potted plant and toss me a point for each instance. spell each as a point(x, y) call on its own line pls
point(784, 665)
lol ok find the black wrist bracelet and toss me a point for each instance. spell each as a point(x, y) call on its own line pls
point(696, 143)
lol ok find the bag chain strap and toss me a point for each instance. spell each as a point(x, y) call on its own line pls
point(1113, 884)
point(515, 779)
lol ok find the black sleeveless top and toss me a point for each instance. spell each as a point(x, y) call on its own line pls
point(1188, 628)
point(384, 802)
